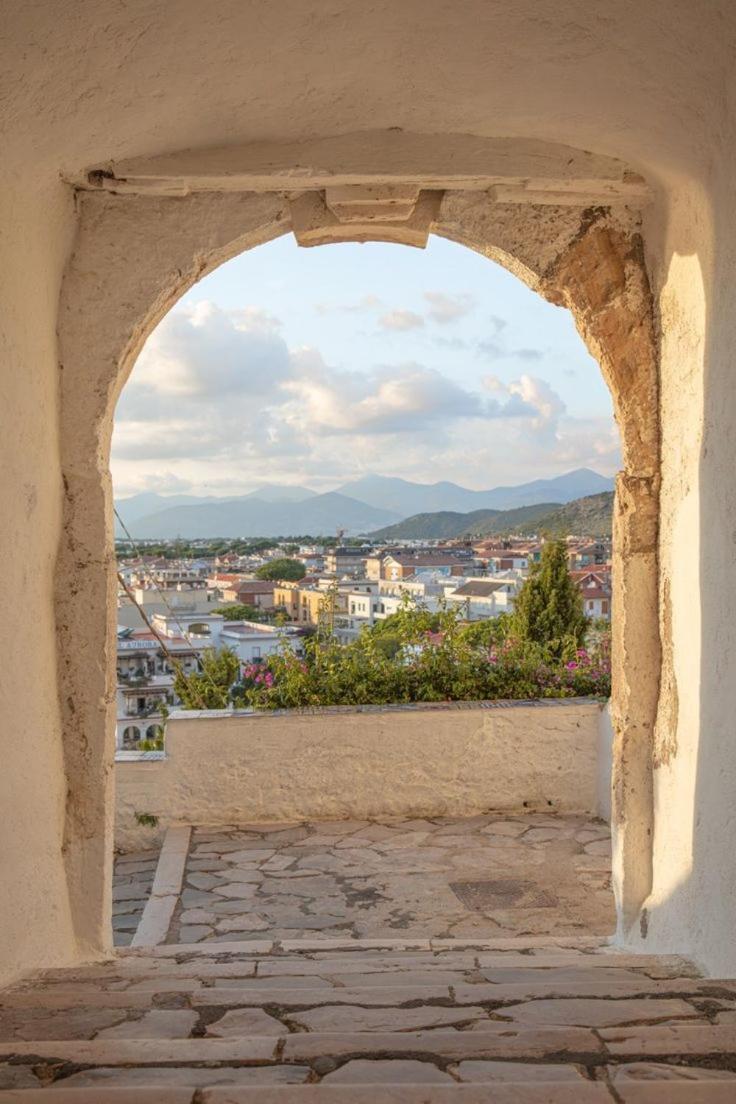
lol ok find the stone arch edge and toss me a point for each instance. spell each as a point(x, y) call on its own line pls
point(134, 256)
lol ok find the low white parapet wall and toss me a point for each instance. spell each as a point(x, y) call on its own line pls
point(448, 759)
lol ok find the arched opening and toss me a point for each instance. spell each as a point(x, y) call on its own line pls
point(259, 382)
point(592, 262)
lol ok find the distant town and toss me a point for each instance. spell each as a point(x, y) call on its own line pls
point(180, 597)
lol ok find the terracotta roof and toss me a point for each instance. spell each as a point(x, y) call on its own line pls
point(253, 586)
point(479, 588)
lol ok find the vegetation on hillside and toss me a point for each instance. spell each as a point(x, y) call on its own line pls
point(585, 517)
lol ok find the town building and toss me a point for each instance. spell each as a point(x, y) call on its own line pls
point(258, 593)
point(480, 599)
point(346, 560)
point(401, 565)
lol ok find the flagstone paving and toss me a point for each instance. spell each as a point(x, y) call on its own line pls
point(133, 876)
point(481, 876)
point(403, 962)
point(328, 1021)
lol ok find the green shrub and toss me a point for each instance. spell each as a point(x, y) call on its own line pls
point(447, 663)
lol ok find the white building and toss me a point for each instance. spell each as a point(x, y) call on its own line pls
point(182, 600)
point(146, 673)
point(480, 599)
point(253, 642)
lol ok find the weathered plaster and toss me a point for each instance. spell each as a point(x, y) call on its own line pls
point(135, 255)
point(648, 84)
point(346, 764)
point(125, 271)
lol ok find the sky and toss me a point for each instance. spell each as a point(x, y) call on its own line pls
point(316, 366)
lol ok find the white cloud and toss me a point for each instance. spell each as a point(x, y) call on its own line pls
point(401, 320)
point(445, 308)
point(367, 302)
point(539, 397)
point(405, 397)
point(218, 402)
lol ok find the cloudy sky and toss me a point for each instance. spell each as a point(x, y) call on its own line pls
point(314, 366)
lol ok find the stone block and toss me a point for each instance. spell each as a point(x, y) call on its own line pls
point(245, 1021)
point(689, 1041)
point(517, 1072)
point(599, 1013)
point(391, 1071)
point(497, 1040)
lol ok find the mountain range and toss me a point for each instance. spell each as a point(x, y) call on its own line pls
point(407, 498)
point(360, 506)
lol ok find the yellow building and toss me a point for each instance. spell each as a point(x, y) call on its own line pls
point(308, 605)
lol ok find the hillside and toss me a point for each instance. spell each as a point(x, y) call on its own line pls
point(446, 524)
point(442, 524)
point(254, 517)
point(429, 509)
point(589, 516)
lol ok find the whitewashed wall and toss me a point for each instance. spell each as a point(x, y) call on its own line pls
point(456, 760)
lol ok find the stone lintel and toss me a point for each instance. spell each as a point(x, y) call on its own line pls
point(314, 223)
point(387, 203)
point(528, 167)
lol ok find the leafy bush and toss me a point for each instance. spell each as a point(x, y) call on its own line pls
point(208, 688)
point(446, 662)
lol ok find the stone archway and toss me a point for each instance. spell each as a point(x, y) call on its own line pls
point(563, 220)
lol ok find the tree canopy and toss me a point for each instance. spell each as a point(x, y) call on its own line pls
point(549, 607)
point(290, 570)
point(239, 611)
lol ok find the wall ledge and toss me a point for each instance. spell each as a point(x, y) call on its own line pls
point(398, 707)
point(139, 756)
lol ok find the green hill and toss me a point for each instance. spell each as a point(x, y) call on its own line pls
point(436, 525)
point(586, 517)
point(445, 524)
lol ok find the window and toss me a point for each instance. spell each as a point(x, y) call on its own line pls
point(256, 652)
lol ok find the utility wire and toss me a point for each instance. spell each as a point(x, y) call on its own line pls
point(176, 664)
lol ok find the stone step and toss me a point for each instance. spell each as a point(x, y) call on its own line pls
point(164, 993)
point(583, 944)
point(227, 963)
point(702, 1092)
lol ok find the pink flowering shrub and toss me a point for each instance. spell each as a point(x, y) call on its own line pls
point(430, 665)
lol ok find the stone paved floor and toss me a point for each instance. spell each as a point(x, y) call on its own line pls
point(484, 876)
point(131, 885)
point(530, 1021)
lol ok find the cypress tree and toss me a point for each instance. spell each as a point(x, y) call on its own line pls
point(549, 607)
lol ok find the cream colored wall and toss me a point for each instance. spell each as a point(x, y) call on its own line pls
point(343, 764)
point(35, 918)
point(693, 900)
point(84, 85)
